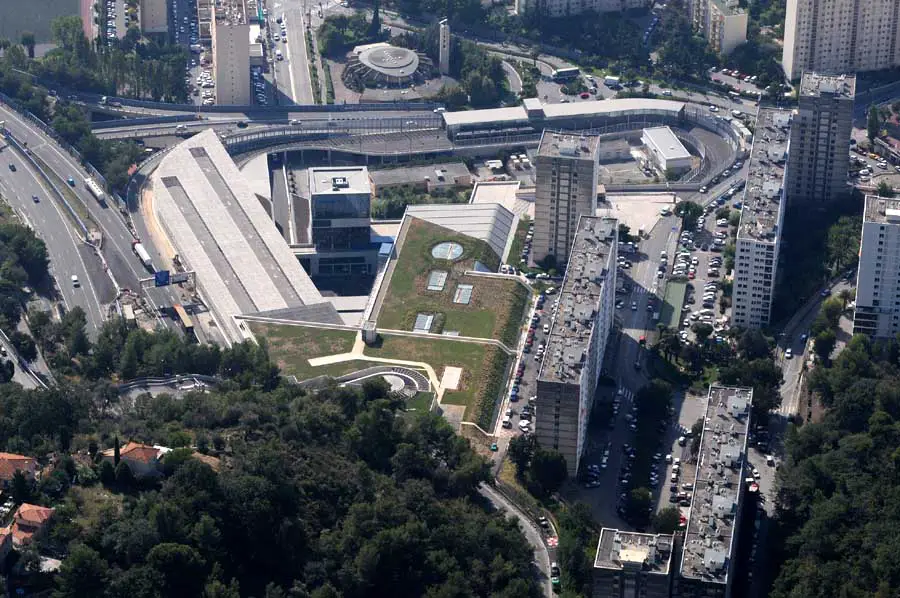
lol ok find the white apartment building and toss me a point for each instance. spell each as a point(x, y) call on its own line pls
point(723, 23)
point(567, 172)
point(567, 380)
point(840, 36)
point(762, 217)
point(154, 16)
point(877, 310)
point(820, 131)
point(565, 8)
point(231, 53)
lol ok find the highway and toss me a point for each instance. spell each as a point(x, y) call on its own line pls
point(117, 238)
point(69, 255)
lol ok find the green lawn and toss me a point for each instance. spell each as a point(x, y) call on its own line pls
point(515, 250)
point(291, 347)
point(421, 402)
point(671, 307)
point(480, 383)
point(495, 310)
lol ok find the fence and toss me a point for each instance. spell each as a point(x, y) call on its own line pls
point(50, 132)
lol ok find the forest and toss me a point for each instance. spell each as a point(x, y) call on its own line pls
point(838, 506)
point(338, 493)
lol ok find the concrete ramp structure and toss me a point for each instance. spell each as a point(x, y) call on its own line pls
point(212, 218)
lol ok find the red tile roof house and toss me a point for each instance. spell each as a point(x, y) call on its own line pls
point(10, 464)
point(143, 460)
point(28, 520)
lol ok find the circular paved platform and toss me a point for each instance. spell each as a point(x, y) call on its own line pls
point(391, 61)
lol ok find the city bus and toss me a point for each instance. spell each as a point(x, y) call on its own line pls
point(183, 318)
point(565, 74)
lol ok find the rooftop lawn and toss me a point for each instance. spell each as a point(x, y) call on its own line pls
point(291, 347)
point(484, 369)
point(496, 306)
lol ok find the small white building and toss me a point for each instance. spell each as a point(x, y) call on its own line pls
point(665, 149)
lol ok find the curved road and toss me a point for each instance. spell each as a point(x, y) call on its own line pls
point(532, 534)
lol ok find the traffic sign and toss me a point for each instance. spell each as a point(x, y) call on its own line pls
point(161, 278)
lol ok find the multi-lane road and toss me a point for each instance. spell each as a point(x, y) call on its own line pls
point(69, 255)
point(59, 232)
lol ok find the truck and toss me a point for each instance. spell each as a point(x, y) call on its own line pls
point(611, 81)
point(96, 190)
point(141, 252)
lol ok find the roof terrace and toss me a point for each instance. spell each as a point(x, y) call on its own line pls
point(619, 549)
point(708, 541)
point(588, 269)
point(765, 178)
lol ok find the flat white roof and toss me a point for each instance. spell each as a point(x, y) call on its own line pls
point(610, 107)
point(353, 179)
point(210, 214)
point(567, 110)
point(665, 143)
point(488, 116)
point(496, 192)
point(489, 222)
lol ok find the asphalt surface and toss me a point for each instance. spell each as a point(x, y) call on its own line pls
point(292, 73)
point(69, 255)
point(117, 239)
point(542, 555)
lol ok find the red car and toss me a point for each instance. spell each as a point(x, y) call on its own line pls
point(585, 95)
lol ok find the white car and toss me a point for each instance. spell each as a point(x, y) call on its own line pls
point(788, 353)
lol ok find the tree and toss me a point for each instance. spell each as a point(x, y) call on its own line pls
point(667, 520)
point(824, 343)
point(24, 345)
point(753, 345)
point(28, 41)
point(375, 26)
point(521, 449)
point(638, 504)
point(181, 567)
point(873, 124)
point(884, 189)
point(124, 476)
point(548, 469)
point(689, 212)
point(703, 331)
point(107, 474)
point(21, 488)
point(82, 574)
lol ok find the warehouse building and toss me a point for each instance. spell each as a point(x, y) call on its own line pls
point(665, 150)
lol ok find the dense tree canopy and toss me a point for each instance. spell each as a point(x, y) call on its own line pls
point(839, 488)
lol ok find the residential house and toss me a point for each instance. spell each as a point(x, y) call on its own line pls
point(28, 520)
point(10, 464)
point(143, 460)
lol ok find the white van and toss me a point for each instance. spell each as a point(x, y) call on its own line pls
point(506, 422)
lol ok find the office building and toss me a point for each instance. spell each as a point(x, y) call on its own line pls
point(154, 16)
point(877, 310)
point(665, 150)
point(566, 8)
point(818, 160)
point(567, 171)
point(567, 379)
point(762, 216)
point(631, 564)
point(231, 53)
point(723, 23)
point(340, 206)
point(707, 564)
point(444, 49)
point(840, 36)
